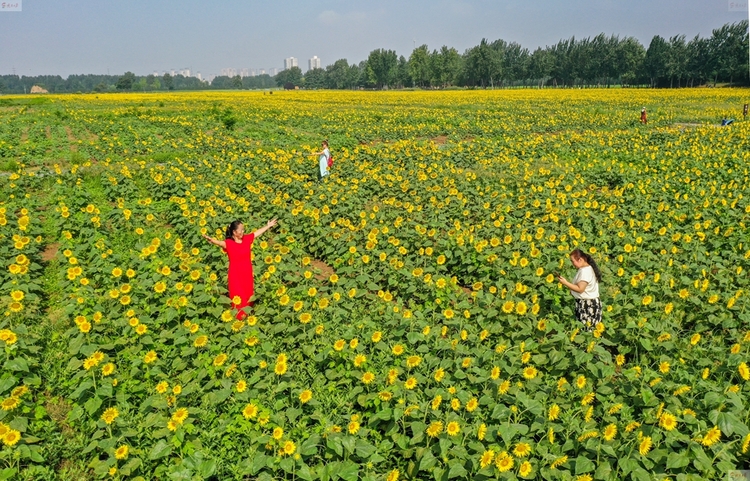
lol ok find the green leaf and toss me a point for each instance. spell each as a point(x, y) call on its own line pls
point(305, 473)
point(456, 469)
point(17, 364)
point(603, 471)
point(7, 382)
point(207, 468)
point(428, 460)
point(364, 449)
point(7, 473)
point(93, 405)
point(349, 471)
point(259, 462)
point(334, 443)
point(348, 443)
point(583, 465)
point(678, 460)
point(161, 449)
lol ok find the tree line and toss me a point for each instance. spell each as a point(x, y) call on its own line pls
point(599, 61)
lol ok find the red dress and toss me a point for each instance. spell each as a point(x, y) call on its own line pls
point(241, 281)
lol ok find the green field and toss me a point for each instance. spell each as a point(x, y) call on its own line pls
point(407, 324)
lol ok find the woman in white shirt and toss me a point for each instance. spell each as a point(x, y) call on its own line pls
point(585, 289)
point(323, 157)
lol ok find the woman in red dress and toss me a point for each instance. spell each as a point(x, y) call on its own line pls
point(238, 247)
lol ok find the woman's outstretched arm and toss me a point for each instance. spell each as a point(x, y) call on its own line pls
point(215, 242)
point(260, 231)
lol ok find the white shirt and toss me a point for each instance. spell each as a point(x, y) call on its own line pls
point(592, 287)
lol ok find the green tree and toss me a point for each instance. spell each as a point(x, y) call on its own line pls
point(126, 81)
point(483, 65)
point(291, 77)
point(677, 59)
point(654, 64)
point(629, 56)
point(337, 75)
point(315, 79)
point(446, 66)
point(168, 81)
point(540, 66)
point(382, 67)
point(419, 66)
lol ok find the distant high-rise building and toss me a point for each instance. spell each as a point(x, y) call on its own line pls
point(244, 73)
point(274, 71)
point(313, 63)
point(173, 73)
point(198, 76)
point(262, 71)
point(229, 72)
point(289, 63)
point(156, 74)
point(186, 72)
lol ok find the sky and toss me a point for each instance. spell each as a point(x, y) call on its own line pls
point(63, 37)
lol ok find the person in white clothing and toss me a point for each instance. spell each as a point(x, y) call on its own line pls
point(585, 289)
point(323, 157)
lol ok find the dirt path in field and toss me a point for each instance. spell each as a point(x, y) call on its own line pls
point(326, 271)
point(50, 252)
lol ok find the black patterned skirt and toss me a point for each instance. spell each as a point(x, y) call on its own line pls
point(589, 312)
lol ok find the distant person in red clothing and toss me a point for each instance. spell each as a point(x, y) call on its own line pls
point(644, 120)
point(238, 247)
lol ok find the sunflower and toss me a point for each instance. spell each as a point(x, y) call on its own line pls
point(434, 429)
point(504, 462)
point(453, 428)
point(250, 411)
point(110, 414)
point(487, 458)
point(220, 359)
point(353, 427)
point(368, 377)
point(525, 469)
point(522, 450)
point(122, 452)
point(11, 437)
point(530, 372)
point(9, 404)
point(305, 396)
point(667, 421)
point(645, 445)
point(554, 412)
point(610, 432)
point(289, 448)
point(712, 436)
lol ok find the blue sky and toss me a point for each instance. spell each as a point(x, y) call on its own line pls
point(97, 36)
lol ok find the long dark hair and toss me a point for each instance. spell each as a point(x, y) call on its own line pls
point(232, 227)
point(579, 254)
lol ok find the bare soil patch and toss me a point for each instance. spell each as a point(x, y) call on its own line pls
point(69, 132)
point(440, 139)
point(48, 132)
point(326, 271)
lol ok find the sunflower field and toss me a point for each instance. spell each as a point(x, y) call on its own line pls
point(407, 321)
